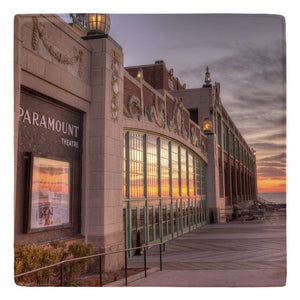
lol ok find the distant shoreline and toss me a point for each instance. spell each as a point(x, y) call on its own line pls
point(277, 198)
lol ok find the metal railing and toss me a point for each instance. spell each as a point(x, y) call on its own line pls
point(269, 204)
point(262, 201)
point(100, 255)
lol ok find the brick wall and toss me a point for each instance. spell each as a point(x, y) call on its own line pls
point(130, 89)
point(158, 76)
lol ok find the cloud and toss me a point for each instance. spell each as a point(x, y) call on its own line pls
point(271, 173)
point(253, 93)
point(272, 164)
point(272, 167)
point(269, 146)
point(252, 84)
point(280, 157)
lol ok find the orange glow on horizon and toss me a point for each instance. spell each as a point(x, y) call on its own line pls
point(271, 185)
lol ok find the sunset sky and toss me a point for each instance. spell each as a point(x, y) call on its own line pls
point(245, 53)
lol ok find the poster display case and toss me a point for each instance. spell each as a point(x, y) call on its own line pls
point(49, 199)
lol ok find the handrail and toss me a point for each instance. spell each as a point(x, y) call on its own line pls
point(100, 255)
point(264, 201)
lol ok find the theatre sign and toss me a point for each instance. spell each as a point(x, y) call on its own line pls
point(47, 122)
point(50, 146)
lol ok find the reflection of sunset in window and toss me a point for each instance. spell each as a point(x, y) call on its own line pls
point(164, 168)
point(203, 178)
point(136, 165)
point(164, 188)
point(152, 167)
point(50, 175)
point(183, 172)
point(191, 175)
point(160, 169)
point(175, 170)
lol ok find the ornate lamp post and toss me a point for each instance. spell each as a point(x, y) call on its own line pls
point(207, 79)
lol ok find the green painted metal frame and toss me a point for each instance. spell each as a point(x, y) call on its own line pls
point(183, 208)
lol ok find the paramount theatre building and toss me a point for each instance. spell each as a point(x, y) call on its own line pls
point(110, 154)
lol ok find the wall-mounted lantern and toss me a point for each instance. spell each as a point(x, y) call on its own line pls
point(207, 126)
point(97, 25)
point(139, 74)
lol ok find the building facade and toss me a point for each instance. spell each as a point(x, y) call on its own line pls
point(231, 161)
point(68, 136)
point(164, 166)
point(115, 156)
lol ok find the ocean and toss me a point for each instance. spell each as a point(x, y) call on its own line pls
point(279, 198)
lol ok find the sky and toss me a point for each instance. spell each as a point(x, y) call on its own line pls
point(244, 52)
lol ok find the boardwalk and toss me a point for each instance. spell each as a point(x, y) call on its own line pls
point(249, 254)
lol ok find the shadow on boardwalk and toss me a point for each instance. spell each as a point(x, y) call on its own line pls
point(235, 254)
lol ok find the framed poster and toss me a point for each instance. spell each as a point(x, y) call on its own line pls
point(49, 203)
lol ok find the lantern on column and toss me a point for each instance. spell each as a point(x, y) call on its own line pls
point(97, 24)
point(139, 74)
point(207, 126)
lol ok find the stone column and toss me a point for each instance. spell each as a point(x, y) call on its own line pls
point(17, 92)
point(216, 205)
point(104, 218)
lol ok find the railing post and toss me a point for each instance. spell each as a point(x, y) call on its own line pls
point(160, 258)
point(145, 262)
point(62, 274)
point(100, 269)
point(125, 267)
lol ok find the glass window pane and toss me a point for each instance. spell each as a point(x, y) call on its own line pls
point(203, 179)
point(231, 144)
point(136, 165)
point(175, 170)
point(225, 138)
point(150, 223)
point(164, 168)
point(219, 130)
point(198, 176)
point(50, 193)
point(183, 172)
point(191, 175)
point(152, 166)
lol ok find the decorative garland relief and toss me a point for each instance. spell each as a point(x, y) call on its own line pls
point(57, 54)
